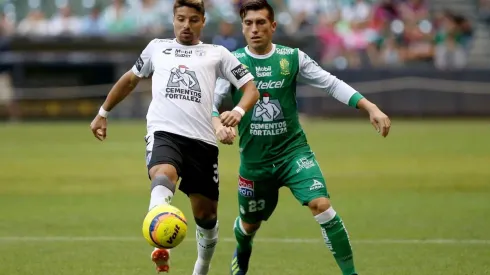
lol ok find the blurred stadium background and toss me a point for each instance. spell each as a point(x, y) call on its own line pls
point(415, 203)
point(415, 57)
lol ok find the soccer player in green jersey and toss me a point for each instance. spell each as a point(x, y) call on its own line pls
point(274, 151)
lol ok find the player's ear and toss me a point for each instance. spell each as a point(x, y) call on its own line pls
point(204, 21)
point(274, 26)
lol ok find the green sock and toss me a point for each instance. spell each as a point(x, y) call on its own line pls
point(243, 239)
point(337, 240)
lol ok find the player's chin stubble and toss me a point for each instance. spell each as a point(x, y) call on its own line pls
point(186, 41)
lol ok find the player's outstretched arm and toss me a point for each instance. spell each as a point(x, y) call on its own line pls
point(311, 73)
point(123, 87)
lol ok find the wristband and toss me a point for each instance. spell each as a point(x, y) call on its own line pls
point(103, 113)
point(239, 109)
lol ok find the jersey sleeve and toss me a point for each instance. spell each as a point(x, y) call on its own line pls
point(232, 70)
point(143, 66)
point(312, 74)
point(222, 89)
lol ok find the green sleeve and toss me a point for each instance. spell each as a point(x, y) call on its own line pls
point(354, 99)
point(215, 114)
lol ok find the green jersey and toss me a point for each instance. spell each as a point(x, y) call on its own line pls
point(271, 131)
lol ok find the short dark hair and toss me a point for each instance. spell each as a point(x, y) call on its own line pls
point(256, 5)
point(195, 4)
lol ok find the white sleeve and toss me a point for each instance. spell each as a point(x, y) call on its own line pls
point(312, 74)
point(232, 70)
point(220, 92)
point(143, 66)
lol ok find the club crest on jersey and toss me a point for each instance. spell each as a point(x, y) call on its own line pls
point(245, 187)
point(200, 52)
point(284, 63)
point(183, 85)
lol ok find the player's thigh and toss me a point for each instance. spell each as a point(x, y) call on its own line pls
point(162, 148)
point(303, 176)
point(200, 170)
point(257, 195)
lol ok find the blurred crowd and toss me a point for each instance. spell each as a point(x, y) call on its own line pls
point(350, 33)
point(391, 33)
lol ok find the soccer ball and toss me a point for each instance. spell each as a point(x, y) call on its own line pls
point(164, 226)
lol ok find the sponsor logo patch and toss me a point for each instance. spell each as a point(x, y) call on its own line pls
point(245, 187)
point(239, 72)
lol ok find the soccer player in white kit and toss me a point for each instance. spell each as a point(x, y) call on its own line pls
point(181, 140)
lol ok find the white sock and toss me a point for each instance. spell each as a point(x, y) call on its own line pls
point(206, 244)
point(160, 195)
point(162, 191)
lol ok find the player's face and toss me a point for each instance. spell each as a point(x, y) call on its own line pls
point(265, 100)
point(258, 29)
point(188, 24)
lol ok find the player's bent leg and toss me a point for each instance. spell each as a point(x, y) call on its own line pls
point(205, 214)
point(334, 233)
point(303, 176)
point(163, 184)
point(164, 179)
point(244, 234)
point(258, 194)
point(319, 205)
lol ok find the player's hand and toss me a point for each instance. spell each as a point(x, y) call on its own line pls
point(380, 121)
point(99, 127)
point(230, 118)
point(226, 135)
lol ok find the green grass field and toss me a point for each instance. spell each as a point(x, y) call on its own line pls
point(416, 203)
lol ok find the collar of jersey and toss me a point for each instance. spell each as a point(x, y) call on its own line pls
point(177, 42)
point(261, 56)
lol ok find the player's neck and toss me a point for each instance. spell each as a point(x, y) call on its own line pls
point(261, 51)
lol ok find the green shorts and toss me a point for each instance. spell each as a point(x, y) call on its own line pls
point(258, 187)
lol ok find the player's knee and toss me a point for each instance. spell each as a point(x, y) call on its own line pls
point(207, 222)
point(163, 180)
point(167, 170)
point(319, 205)
point(206, 218)
point(205, 211)
point(250, 227)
